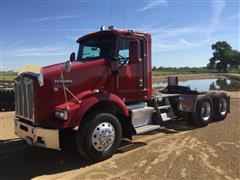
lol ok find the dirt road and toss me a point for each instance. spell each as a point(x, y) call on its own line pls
point(175, 152)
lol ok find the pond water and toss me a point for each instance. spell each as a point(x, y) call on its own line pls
point(207, 84)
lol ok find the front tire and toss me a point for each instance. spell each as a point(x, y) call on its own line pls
point(99, 137)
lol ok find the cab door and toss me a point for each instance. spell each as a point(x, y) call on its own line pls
point(130, 78)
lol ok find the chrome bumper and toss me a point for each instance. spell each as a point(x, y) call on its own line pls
point(37, 136)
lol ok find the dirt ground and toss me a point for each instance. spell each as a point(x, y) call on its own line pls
point(177, 151)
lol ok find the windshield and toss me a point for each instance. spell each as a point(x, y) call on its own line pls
point(96, 47)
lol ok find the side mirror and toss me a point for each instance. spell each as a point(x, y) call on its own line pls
point(72, 57)
point(67, 66)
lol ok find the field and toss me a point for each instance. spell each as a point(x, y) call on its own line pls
point(8, 76)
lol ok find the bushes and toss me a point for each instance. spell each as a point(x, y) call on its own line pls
point(181, 70)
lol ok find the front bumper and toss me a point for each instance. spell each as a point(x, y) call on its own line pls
point(37, 136)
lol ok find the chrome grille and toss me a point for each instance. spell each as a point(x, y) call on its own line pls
point(24, 98)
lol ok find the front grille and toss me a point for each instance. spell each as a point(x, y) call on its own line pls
point(24, 98)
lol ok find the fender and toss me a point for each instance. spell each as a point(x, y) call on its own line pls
point(91, 98)
point(187, 103)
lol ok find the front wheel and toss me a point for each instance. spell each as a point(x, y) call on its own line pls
point(100, 137)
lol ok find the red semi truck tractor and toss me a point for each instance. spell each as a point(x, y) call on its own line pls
point(105, 94)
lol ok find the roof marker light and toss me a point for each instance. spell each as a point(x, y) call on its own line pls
point(102, 28)
point(111, 27)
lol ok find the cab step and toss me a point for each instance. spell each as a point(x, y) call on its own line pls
point(165, 111)
point(146, 128)
point(165, 117)
point(164, 107)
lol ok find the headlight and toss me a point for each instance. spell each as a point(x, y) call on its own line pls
point(61, 114)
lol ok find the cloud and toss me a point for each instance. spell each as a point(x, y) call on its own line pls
point(231, 18)
point(218, 7)
point(152, 4)
point(38, 51)
point(181, 38)
point(55, 18)
point(185, 42)
point(177, 31)
point(160, 45)
point(189, 37)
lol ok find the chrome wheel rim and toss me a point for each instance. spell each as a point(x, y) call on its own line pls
point(206, 111)
point(103, 136)
point(222, 106)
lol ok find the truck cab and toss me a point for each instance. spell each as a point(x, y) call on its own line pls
point(104, 94)
point(127, 62)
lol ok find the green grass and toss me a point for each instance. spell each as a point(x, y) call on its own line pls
point(186, 70)
point(8, 76)
point(236, 71)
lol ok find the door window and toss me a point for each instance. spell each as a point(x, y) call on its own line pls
point(123, 51)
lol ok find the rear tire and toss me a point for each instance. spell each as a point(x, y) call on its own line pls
point(220, 106)
point(99, 137)
point(204, 111)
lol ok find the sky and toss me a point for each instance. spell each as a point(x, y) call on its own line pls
point(43, 32)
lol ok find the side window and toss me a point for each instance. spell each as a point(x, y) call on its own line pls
point(123, 51)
